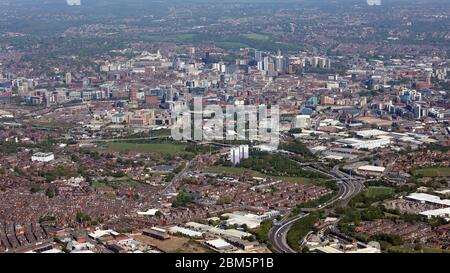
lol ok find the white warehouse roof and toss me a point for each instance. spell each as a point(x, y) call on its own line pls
point(370, 168)
point(185, 231)
point(445, 212)
point(423, 197)
point(219, 244)
point(217, 231)
point(371, 133)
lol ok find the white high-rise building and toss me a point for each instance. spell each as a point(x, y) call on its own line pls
point(68, 78)
point(260, 66)
point(238, 153)
point(266, 63)
point(417, 109)
point(258, 56)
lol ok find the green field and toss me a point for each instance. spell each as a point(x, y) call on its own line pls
point(146, 148)
point(433, 172)
point(231, 45)
point(255, 36)
point(301, 180)
point(174, 37)
point(233, 171)
point(121, 182)
point(241, 171)
point(373, 192)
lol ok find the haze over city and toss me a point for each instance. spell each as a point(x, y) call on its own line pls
point(224, 126)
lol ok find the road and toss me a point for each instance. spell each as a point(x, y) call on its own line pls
point(171, 186)
point(277, 236)
point(349, 186)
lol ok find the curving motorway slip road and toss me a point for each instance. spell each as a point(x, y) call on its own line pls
point(349, 187)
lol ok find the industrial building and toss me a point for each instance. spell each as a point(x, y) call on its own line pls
point(444, 213)
point(158, 233)
point(217, 231)
point(42, 157)
point(428, 198)
point(250, 220)
point(303, 122)
point(219, 244)
point(186, 232)
point(370, 133)
point(371, 170)
point(364, 144)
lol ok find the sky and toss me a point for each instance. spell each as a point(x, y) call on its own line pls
point(73, 2)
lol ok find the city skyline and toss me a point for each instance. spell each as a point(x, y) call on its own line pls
point(226, 127)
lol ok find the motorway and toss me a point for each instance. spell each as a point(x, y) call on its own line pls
point(277, 235)
point(349, 186)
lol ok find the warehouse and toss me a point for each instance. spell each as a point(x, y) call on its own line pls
point(444, 213)
point(428, 198)
point(242, 244)
point(370, 133)
point(42, 157)
point(239, 218)
point(186, 232)
point(371, 170)
point(364, 144)
point(217, 231)
point(219, 244)
point(158, 233)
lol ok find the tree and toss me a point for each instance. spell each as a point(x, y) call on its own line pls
point(82, 218)
point(35, 188)
point(135, 197)
point(223, 200)
point(50, 192)
point(182, 200)
point(262, 235)
point(74, 158)
point(249, 238)
point(295, 131)
point(46, 218)
point(393, 239)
